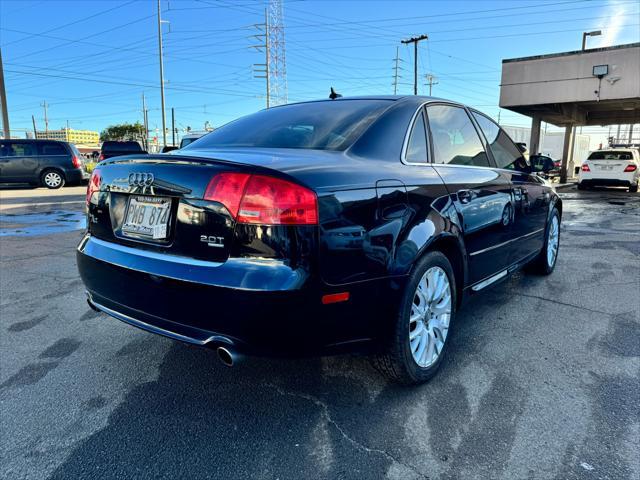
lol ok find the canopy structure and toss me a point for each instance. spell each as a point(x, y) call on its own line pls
point(599, 86)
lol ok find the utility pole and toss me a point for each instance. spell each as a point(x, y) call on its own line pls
point(164, 126)
point(431, 81)
point(66, 133)
point(145, 121)
point(415, 41)
point(46, 119)
point(396, 68)
point(3, 102)
point(35, 131)
point(173, 127)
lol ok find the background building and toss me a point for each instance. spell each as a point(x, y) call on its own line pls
point(83, 137)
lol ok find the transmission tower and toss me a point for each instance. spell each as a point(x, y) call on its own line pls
point(272, 44)
point(277, 53)
point(396, 71)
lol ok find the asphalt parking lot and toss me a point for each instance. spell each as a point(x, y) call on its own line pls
point(542, 380)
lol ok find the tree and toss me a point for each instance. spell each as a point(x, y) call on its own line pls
point(123, 131)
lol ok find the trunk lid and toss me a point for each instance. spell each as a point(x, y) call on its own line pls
point(138, 194)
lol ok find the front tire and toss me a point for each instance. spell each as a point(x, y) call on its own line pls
point(422, 328)
point(545, 262)
point(52, 179)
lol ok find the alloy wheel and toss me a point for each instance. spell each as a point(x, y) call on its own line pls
point(430, 316)
point(553, 241)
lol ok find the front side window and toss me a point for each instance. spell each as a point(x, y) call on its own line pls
point(327, 125)
point(505, 152)
point(417, 146)
point(17, 149)
point(455, 139)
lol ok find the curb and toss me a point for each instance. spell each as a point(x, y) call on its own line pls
point(565, 185)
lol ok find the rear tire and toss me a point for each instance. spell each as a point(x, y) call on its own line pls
point(423, 324)
point(633, 189)
point(582, 186)
point(545, 262)
point(52, 179)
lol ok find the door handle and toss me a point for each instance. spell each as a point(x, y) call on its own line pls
point(465, 196)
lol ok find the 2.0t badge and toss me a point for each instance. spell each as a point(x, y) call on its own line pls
point(212, 241)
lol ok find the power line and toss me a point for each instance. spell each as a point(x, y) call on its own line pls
point(83, 19)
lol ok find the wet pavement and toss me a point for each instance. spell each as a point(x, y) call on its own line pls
point(541, 382)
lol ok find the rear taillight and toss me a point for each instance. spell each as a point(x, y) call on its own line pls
point(101, 157)
point(94, 184)
point(264, 200)
point(76, 161)
point(585, 168)
point(630, 168)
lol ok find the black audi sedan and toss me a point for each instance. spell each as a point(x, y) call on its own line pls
point(355, 224)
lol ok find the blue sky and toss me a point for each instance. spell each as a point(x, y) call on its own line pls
point(91, 60)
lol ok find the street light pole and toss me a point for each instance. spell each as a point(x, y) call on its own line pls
point(415, 41)
point(594, 33)
point(164, 126)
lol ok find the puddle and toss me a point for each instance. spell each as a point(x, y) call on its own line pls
point(41, 223)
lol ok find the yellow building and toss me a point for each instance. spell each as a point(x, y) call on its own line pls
point(84, 137)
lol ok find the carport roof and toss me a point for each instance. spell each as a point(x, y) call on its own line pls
point(561, 88)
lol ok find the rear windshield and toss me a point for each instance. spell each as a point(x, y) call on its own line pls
point(330, 125)
point(122, 146)
point(610, 156)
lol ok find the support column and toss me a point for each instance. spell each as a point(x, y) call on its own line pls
point(534, 141)
point(567, 152)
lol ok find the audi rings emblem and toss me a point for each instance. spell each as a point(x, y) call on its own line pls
point(140, 179)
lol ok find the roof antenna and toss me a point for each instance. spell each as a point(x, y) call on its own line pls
point(333, 95)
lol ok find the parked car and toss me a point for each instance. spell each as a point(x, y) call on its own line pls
point(545, 166)
point(616, 167)
point(47, 163)
point(112, 148)
point(190, 138)
point(319, 227)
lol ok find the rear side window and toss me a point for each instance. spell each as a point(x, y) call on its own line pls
point(455, 139)
point(603, 155)
point(18, 149)
point(52, 149)
point(327, 125)
point(504, 151)
point(417, 146)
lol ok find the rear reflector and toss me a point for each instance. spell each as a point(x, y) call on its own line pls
point(264, 200)
point(585, 168)
point(94, 184)
point(630, 168)
point(335, 298)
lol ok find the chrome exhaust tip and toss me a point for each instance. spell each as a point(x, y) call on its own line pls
point(227, 357)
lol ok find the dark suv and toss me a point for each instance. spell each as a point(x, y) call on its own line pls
point(49, 163)
point(112, 148)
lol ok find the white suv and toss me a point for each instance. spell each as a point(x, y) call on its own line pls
point(613, 167)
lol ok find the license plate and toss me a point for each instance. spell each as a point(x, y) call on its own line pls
point(147, 217)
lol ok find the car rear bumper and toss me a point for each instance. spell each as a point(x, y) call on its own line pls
point(76, 175)
point(256, 307)
point(608, 182)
